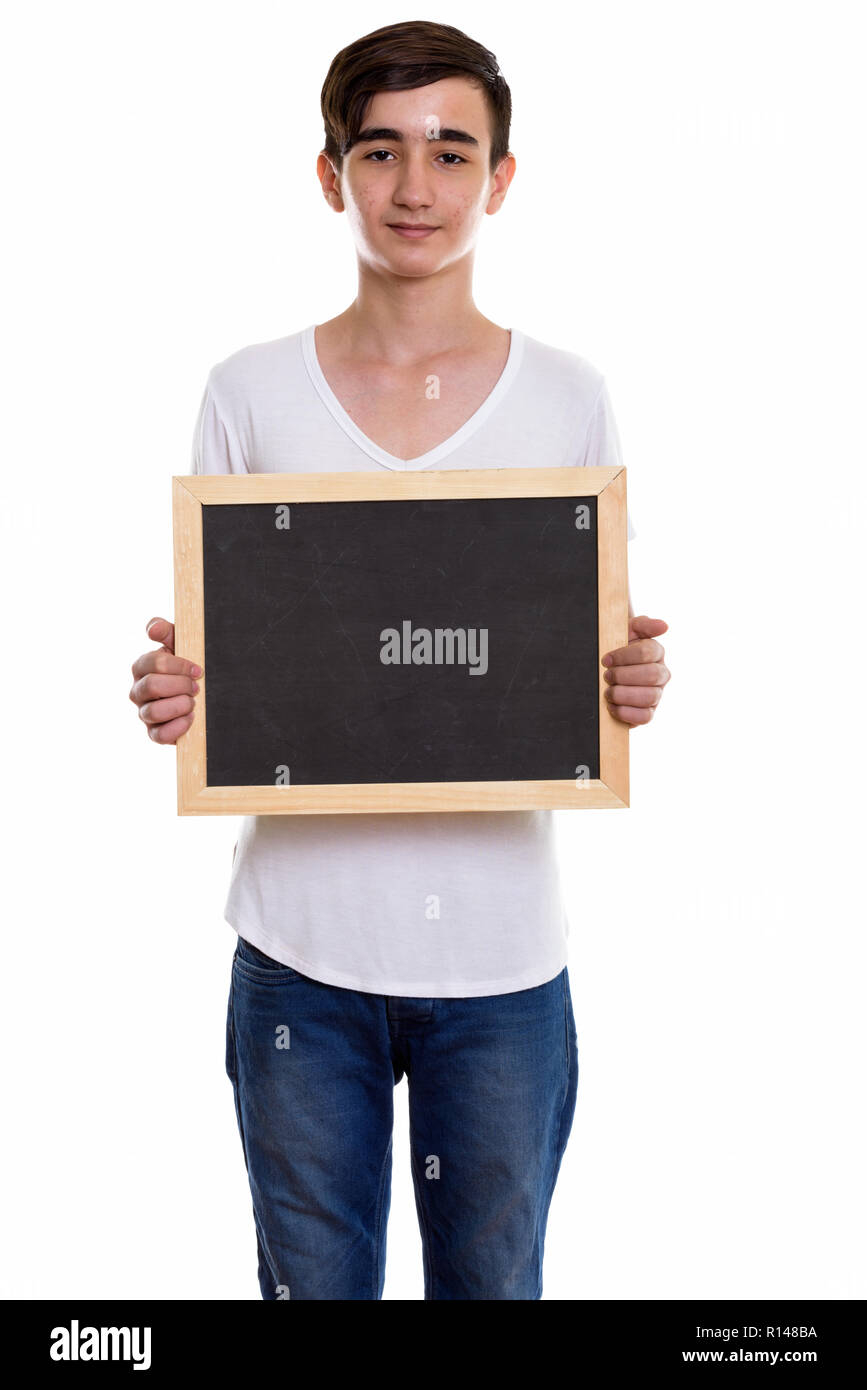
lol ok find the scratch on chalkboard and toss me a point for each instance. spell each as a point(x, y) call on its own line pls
point(343, 630)
point(396, 765)
point(560, 573)
point(287, 612)
point(536, 627)
point(514, 674)
point(471, 543)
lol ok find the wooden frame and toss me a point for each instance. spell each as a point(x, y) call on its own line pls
point(192, 492)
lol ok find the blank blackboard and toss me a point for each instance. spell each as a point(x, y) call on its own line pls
point(396, 650)
point(294, 624)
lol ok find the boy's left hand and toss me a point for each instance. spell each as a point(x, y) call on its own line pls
point(637, 673)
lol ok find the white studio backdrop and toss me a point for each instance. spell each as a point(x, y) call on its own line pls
point(688, 214)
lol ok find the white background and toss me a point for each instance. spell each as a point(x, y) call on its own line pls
point(687, 213)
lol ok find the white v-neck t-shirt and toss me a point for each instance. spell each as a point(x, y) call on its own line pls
point(439, 904)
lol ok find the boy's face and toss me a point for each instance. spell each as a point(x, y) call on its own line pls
point(415, 172)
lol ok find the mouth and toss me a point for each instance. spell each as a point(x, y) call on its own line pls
point(413, 230)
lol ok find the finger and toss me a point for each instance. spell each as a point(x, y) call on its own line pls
point(162, 711)
point(631, 714)
point(643, 626)
point(645, 652)
point(161, 630)
point(165, 664)
point(155, 687)
point(639, 696)
point(654, 674)
point(171, 732)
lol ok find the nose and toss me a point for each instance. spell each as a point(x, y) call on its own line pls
point(414, 185)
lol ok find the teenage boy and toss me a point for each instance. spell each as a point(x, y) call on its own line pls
point(337, 939)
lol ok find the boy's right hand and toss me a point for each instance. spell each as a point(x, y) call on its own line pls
point(164, 686)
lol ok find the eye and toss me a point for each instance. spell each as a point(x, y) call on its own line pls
point(447, 154)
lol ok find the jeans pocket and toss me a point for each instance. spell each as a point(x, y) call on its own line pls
point(255, 965)
point(230, 1032)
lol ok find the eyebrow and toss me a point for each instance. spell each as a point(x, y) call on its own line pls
point(447, 135)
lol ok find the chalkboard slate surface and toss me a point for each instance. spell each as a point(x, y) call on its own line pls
point(296, 600)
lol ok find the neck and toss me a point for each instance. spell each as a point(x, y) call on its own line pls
point(399, 319)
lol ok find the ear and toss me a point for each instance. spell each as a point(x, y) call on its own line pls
point(502, 177)
point(330, 181)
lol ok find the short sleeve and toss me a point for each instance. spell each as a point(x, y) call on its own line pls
point(603, 443)
point(215, 446)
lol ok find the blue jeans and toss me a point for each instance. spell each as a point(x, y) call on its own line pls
point(492, 1089)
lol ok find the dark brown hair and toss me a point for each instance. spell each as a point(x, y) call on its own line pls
point(397, 58)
